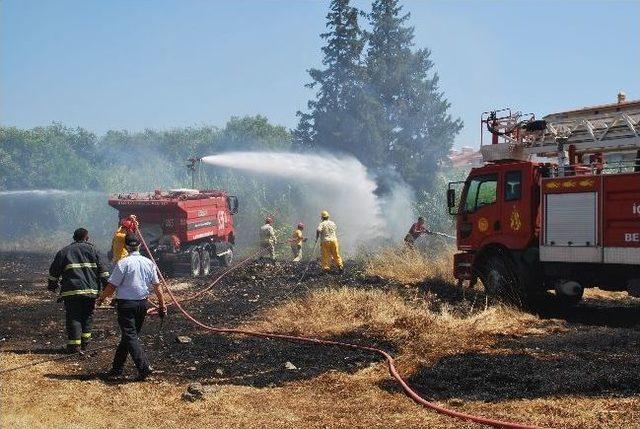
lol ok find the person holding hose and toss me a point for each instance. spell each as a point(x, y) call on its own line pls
point(416, 230)
point(268, 238)
point(131, 281)
point(79, 272)
point(327, 234)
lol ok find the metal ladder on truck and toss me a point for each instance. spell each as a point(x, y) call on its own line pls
point(598, 132)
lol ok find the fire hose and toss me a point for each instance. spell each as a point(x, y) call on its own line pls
point(295, 338)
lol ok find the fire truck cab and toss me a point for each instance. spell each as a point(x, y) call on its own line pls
point(556, 205)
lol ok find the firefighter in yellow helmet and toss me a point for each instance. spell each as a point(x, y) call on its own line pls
point(328, 237)
point(127, 225)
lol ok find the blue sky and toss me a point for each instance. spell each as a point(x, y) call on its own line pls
point(163, 64)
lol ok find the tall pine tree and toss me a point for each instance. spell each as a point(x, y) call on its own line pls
point(385, 108)
point(412, 123)
point(329, 123)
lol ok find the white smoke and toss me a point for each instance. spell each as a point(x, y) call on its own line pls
point(340, 185)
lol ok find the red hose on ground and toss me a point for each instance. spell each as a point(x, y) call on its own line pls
point(198, 294)
point(388, 358)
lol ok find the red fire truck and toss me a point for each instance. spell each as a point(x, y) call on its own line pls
point(555, 205)
point(187, 227)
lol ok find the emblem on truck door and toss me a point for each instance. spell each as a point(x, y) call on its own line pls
point(483, 224)
point(515, 222)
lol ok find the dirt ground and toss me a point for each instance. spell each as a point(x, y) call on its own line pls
point(577, 368)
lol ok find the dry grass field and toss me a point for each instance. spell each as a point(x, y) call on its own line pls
point(574, 370)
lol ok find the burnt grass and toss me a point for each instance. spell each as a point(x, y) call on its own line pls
point(597, 356)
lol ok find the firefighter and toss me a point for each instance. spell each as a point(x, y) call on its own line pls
point(296, 243)
point(416, 230)
point(131, 280)
point(268, 238)
point(79, 272)
point(329, 246)
point(118, 249)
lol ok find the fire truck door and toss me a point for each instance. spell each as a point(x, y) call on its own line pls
point(479, 215)
point(516, 216)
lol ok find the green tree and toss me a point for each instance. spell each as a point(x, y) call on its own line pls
point(410, 120)
point(252, 133)
point(330, 122)
point(47, 157)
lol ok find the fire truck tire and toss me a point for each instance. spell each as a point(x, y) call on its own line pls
point(569, 297)
point(508, 280)
point(195, 264)
point(205, 263)
point(568, 300)
point(227, 258)
point(497, 273)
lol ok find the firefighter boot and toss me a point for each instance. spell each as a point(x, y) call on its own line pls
point(73, 349)
point(85, 340)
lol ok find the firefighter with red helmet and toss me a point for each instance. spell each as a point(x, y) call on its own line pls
point(268, 238)
point(80, 273)
point(128, 224)
point(296, 243)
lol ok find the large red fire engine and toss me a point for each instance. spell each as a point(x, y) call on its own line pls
point(556, 205)
point(183, 226)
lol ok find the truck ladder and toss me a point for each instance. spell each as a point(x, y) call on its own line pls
point(609, 128)
point(599, 129)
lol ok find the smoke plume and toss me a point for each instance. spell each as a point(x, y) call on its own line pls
point(341, 185)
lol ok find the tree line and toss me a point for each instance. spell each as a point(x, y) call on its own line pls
point(57, 156)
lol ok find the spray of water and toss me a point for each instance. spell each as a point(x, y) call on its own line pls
point(43, 193)
point(340, 185)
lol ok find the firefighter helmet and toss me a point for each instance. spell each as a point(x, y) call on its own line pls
point(268, 220)
point(324, 214)
point(128, 223)
point(301, 225)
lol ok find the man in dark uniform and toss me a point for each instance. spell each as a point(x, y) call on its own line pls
point(79, 272)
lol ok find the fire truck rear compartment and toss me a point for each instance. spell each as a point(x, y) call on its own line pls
point(591, 237)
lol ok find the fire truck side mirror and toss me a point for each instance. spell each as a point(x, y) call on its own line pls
point(451, 198)
point(232, 202)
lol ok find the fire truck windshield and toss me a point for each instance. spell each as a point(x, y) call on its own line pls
point(480, 191)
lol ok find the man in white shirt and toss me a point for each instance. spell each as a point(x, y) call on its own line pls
point(131, 280)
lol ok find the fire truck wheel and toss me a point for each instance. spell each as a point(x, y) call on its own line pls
point(568, 293)
point(195, 263)
point(226, 259)
point(499, 276)
point(568, 300)
point(205, 263)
